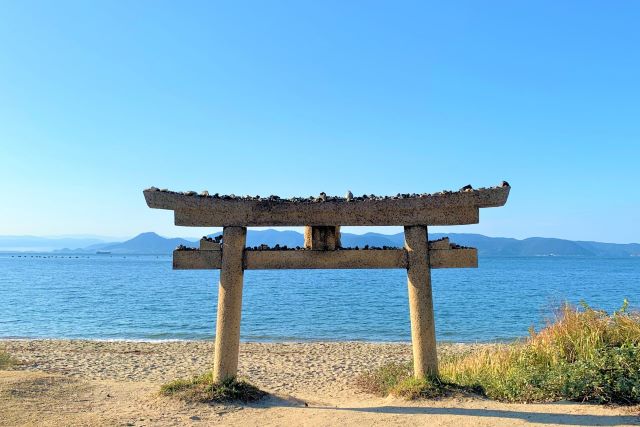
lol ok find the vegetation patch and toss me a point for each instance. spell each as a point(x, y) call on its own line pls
point(6, 360)
point(584, 355)
point(397, 379)
point(203, 389)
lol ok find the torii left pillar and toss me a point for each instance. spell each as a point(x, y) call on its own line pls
point(227, 347)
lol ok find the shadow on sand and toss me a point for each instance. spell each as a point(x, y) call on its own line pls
point(550, 418)
point(533, 417)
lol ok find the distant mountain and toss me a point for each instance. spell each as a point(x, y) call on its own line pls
point(45, 244)
point(147, 243)
point(487, 246)
point(541, 246)
point(144, 243)
point(610, 249)
point(371, 239)
point(151, 243)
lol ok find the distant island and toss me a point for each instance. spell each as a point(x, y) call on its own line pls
point(152, 243)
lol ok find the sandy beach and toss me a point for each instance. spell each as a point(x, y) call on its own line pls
point(61, 382)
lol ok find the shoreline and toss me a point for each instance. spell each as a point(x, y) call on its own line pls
point(243, 341)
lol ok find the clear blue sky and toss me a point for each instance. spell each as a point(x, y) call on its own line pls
point(99, 100)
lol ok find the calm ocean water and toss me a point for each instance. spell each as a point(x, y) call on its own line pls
point(142, 298)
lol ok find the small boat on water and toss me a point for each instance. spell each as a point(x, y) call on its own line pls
point(103, 252)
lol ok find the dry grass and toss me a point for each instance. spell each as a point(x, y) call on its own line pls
point(203, 389)
point(585, 355)
point(6, 360)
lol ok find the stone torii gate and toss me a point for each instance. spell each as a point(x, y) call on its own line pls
point(322, 217)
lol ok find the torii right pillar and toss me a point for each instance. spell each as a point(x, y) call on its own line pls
point(423, 330)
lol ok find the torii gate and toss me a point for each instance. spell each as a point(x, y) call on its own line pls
point(322, 217)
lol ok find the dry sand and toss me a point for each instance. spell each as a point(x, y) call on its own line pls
point(116, 383)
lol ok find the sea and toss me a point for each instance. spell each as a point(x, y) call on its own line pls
point(140, 297)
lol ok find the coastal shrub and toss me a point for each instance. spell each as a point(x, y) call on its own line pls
point(6, 361)
point(203, 389)
point(397, 379)
point(584, 355)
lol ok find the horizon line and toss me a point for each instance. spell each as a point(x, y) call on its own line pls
point(114, 239)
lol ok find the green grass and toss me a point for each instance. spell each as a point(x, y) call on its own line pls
point(6, 361)
point(203, 389)
point(584, 355)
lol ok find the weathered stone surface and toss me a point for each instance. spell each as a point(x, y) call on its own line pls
point(283, 215)
point(423, 330)
point(446, 208)
point(227, 345)
point(209, 245)
point(453, 258)
point(197, 260)
point(322, 237)
point(270, 259)
point(313, 259)
point(439, 244)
